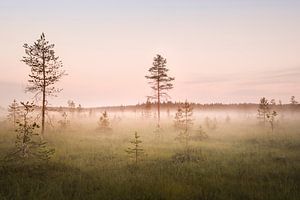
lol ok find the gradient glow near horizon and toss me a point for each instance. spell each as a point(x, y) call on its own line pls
point(218, 51)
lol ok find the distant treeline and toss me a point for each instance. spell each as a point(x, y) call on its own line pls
point(175, 105)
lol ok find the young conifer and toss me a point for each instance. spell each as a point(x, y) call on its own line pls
point(13, 112)
point(104, 123)
point(178, 119)
point(136, 151)
point(147, 109)
point(64, 122)
point(271, 119)
point(184, 122)
point(263, 110)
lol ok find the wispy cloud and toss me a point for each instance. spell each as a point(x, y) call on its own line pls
point(282, 76)
point(275, 77)
point(246, 86)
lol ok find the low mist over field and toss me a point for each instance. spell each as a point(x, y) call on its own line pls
point(92, 155)
point(132, 100)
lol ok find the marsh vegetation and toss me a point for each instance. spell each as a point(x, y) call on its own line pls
point(240, 159)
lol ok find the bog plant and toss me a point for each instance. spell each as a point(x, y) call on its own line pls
point(29, 146)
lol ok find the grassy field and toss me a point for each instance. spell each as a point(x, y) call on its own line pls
point(239, 160)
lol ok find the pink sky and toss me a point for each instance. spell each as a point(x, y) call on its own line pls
point(235, 52)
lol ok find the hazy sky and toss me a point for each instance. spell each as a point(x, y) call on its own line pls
point(218, 50)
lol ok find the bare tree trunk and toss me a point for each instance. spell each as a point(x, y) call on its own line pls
point(44, 97)
point(186, 122)
point(158, 105)
point(272, 126)
point(43, 112)
point(158, 112)
point(136, 155)
point(14, 118)
point(186, 129)
point(24, 135)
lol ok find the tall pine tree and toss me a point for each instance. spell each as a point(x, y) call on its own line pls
point(160, 82)
point(45, 71)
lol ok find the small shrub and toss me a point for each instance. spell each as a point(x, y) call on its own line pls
point(199, 134)
point(64, 123)
point(263, 110)
point(104, 123)
point(210, 124)
point(188, 155)
point(29, 145)
point(227, 119)
point(271, 119)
